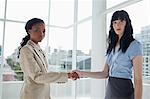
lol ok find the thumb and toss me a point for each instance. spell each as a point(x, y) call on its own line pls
point(78, 72)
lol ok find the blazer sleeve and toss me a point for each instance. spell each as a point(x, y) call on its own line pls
point(32, 69)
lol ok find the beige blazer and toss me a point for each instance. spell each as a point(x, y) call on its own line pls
point(36, 77)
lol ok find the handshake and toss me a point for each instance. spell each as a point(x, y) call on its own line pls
point(74, 75)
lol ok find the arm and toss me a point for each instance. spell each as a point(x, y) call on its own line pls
point(32, 69)
point(137, 66)
point(97, 75)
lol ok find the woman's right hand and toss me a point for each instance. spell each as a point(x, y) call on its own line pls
point(80, 73)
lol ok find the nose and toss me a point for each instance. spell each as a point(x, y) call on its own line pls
point(117, 25)
point(41, 33)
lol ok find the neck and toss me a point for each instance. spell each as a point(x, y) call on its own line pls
point(119, 37)
point(118, 43)
point(34, 41)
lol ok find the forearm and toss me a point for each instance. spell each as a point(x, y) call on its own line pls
point(51, 77)
point(97, 75)
point(137, 66)
point(138, 89)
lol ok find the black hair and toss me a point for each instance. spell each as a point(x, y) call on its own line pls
point(28, 26)
point(127, 36)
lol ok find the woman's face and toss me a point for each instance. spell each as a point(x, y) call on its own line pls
point(37, 33)
point(119, 27)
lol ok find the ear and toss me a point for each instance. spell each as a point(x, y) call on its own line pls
point(29, 31)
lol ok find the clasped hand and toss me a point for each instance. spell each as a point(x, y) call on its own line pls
point(74, 75)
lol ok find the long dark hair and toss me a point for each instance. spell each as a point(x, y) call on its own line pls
point(28, 26)
point(126, 38)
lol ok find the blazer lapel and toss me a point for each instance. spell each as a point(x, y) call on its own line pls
point(39, 53)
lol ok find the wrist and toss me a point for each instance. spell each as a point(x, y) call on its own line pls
point(69, 75)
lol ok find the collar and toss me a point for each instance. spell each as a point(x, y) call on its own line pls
point(34, 45)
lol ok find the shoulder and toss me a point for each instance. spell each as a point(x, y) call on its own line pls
point(134, 49)
point(135, 44)
point(26, 49)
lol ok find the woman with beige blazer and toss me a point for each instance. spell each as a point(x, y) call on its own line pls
point(34, 64)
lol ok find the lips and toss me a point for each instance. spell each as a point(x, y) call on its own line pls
point(118, 29)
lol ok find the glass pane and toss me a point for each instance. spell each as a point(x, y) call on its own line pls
point(84, 32)
point(84, 40)
point(60, 59)
point(84, 9)
point(14, 33)
point(13, 36)
point(62, 91)
point(1, 34)
point(109, 15)
point(2, 8)
point(1, 40)
point(83, 88)
point(27, 9)
point(62, 12)
point(111, 3)
point(60, 49)
point(65, 91)
point(84, 46)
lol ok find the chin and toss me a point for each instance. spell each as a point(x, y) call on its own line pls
point(40, 41)
point(118, 33)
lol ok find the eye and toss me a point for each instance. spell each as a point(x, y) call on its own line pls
point(114, 22)
point(44, 31)
point(36, 30)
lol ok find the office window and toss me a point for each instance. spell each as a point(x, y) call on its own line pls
point(84, 40)
point(1, 32)
point(84, 35)
point(84, 9)
point(2, 8)
point(62, 12)
point(13, 35)
point(111, 3)
point(61, 35)
point(23, 10)
point(1, 38)
point(60, 49)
